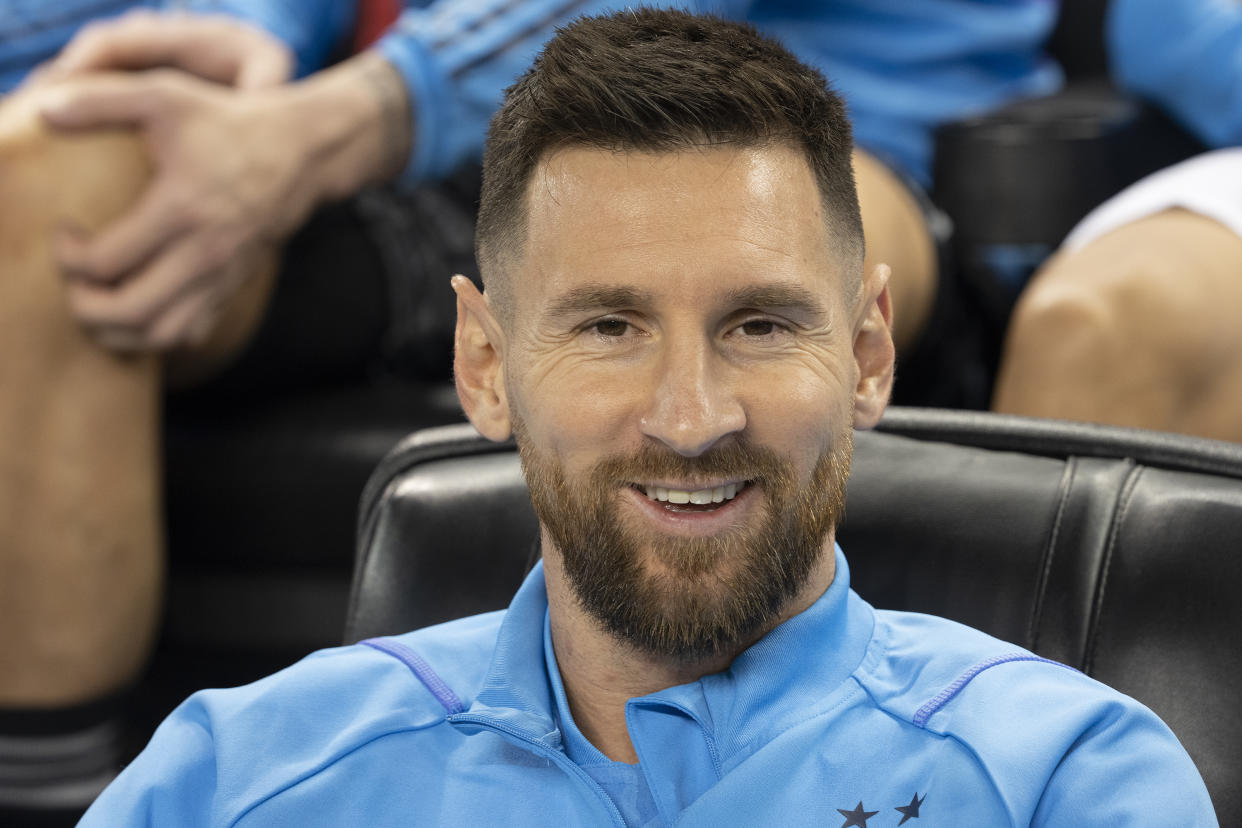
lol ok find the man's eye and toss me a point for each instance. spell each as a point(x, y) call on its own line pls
point(611, 327)
point(759, 327)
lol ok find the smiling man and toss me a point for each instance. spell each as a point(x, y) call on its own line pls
point(689, 345)
point(678, 330)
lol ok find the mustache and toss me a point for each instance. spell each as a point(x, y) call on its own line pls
point(736, 459)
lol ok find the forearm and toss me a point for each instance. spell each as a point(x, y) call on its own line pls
point(351, 125)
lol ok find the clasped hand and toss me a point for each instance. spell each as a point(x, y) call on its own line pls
point(226, 171)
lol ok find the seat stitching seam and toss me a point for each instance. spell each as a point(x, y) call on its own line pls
point(1097, 607)
point(1068, 478)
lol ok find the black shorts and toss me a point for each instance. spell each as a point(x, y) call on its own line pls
point(363, 292)
point(951, 364)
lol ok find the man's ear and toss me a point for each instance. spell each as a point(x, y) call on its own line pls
point(873, 349)
point(478, 362)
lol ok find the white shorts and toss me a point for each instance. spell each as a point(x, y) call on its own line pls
point(1209, 184)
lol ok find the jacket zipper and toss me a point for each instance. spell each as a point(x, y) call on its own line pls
point(555, 755)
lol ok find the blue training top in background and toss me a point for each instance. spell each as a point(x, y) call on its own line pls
point(904, 66)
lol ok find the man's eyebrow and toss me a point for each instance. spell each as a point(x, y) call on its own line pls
point(787, 297)
point(593, 297)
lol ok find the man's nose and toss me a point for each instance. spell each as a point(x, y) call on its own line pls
point(692, 406)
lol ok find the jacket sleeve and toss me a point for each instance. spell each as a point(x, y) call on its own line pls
point(1064, 749)
point(172, 782)
point(458, 58)
point(223, 753)
point(455, 57)
point(1126, 768)
point(313, 29)
point(1185, 56)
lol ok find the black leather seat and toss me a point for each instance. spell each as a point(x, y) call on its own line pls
point(1112, 550)
point(261, 503)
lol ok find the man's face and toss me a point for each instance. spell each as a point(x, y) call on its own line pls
point(681, 333)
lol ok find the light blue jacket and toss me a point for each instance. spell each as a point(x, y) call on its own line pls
point(32, 31)
point(1186, 56)
point(839, 712)
point(903, 66)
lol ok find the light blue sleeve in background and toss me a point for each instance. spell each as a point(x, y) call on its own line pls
point(1185, 56)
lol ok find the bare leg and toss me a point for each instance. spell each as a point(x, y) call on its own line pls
point(80, 541)
point(79, 562)
point(1139, 328)
point(897, 235)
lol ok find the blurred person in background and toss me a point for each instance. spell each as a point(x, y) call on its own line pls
point(80, 536)
point(1135, 321)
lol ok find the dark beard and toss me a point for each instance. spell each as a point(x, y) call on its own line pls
point(712, 595)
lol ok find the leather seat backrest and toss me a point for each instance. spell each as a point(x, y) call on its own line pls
point(1118, 552)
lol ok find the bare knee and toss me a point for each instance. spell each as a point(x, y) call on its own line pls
point(49, 181)
point(1114, 333)
point(1061, 334)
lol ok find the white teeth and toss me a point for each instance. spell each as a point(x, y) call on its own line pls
point(702, 497)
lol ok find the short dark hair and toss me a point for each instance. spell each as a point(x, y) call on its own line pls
point(660, 81)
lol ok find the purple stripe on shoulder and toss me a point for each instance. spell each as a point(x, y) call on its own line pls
point(946, 695)
point(421, 670)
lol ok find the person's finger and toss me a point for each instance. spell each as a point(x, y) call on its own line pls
point(265, 67)
point(125, 244)
point(41, 73)
point(201, 327)
point(183, 322)
point(186, 322)
point(137, 302)
point(135, 40)
point(213, 47)
point(105, 99)
point(117, 340)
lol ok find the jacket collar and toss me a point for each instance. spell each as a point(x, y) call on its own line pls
point(782, 679)
point(516, 691)
point(773, 684)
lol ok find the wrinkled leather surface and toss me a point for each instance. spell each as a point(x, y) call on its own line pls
point(1113, 550)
